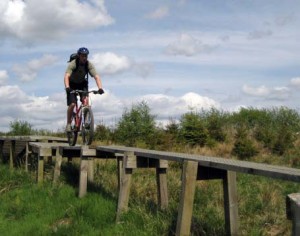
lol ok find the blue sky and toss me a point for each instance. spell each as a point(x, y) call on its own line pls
point(176, 55)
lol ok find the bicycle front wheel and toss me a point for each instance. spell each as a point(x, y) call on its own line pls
point(87, 126)
point(72, 136)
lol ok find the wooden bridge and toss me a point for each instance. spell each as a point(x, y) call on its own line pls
point(195, 167)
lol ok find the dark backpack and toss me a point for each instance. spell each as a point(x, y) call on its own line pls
point(74, 56)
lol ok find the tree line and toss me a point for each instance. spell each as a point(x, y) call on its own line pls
point(247, 131)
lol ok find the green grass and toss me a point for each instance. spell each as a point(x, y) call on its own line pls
point(29, 209)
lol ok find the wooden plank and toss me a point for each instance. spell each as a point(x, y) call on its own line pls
point(271, 171)
point(231, 204)
point(188, 187)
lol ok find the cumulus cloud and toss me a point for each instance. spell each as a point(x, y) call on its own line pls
point(3, 77)
point(30, 20)
point(169, 106)
point(111, 63)
point(28, 72)
point(187, 45)
point(276, 93)
point(158, 13)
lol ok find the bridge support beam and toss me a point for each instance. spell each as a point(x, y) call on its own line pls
point(130, 161)
point(86, 169)
point(193, 172)
point(293, 211)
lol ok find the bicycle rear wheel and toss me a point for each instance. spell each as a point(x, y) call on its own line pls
point(72, 136)
point(87, 126)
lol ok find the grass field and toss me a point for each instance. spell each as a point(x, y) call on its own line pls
point(29, 209)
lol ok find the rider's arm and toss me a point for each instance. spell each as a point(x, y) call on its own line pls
point(98, 81)
point(68, 73)
point(67, 80)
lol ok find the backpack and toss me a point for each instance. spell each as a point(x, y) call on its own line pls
point(74, 56)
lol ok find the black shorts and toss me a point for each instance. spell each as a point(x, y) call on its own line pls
point(71, 97)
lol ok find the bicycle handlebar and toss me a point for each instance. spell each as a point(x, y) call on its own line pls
point(84, 91)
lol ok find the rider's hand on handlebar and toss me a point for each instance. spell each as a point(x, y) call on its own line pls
point(68, 90)
point(100, 91)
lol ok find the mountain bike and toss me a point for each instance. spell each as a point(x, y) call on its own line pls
point(82, 119)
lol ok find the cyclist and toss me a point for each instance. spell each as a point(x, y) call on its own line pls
point(76, 77)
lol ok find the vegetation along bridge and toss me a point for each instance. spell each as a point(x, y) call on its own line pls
point(195, 167)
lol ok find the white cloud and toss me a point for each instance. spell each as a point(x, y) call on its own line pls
point(295, 82)
point(159, 13)
point(28, 72)
point(3, 77)
point(111, 63)
point(169, 106)
point(30, 20)
point(187, 45)
point(276, 93)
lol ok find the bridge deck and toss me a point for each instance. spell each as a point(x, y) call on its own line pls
point(278, 172)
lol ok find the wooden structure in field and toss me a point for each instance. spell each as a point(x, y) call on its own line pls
point(195, 167)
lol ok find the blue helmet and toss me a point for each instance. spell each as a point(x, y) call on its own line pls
point(83, 51)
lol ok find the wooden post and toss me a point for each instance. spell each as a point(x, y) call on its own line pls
point(161, 179)
point(40, 170)
point(230, 204)
point(83, 177)
point(91, 169)
point(58, 161)
point(126, 175)
point(12, 153)
point(293, 212)
point(1, 150)
point(120, 167)
point(42, 153)
point(86, 169)
point(188, 187)
point(27, 153)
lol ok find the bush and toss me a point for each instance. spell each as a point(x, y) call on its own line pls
point(19, 127)
point(193, 130)
point(244, 147)
point(136, 126)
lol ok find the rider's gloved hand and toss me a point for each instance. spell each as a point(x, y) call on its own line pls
point(68, 89)
point(100, 91)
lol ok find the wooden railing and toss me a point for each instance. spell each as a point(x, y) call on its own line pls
point(195, 167)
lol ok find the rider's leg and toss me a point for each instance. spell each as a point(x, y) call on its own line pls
point(70, 112)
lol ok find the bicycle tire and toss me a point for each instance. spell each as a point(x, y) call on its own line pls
point(87, 126)
point(72, 136)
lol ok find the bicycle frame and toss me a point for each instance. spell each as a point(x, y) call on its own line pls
point(78, 111)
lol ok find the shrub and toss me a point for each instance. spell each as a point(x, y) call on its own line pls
point(19, 127)
point(244, 147)
point(193, 130)
point(137, 125)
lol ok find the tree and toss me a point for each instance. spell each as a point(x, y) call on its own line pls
point(19, 127)
point(193, 130)
point(136, 125)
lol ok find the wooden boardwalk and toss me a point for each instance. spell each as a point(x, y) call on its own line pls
point(195, 167)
